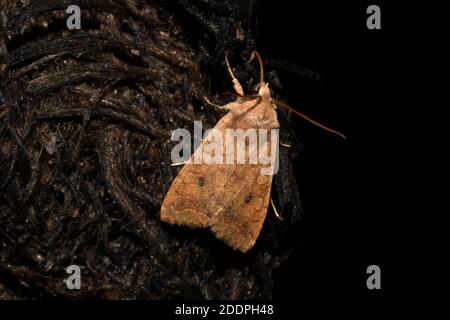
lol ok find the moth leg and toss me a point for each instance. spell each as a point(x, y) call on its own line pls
point(285, 145)
point(275, 209)
point(213, 104)
point(237, 86)
point(179, 163)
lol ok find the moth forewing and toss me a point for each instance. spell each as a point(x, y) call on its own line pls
point(230, 198)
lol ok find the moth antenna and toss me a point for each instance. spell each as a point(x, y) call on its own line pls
point(237, 86)
point(275, 209)
point(284, 105)
point(261, 65)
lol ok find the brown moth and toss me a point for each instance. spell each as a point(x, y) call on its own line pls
point(230, 199)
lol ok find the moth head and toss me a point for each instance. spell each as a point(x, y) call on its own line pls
point(264, 90)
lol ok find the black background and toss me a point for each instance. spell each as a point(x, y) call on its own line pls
point(344, 183)
point(362, 196)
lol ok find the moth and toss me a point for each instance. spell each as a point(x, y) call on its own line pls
point(231, 199)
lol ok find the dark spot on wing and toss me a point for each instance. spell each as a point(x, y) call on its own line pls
point(201, 181)
point(248, 198)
